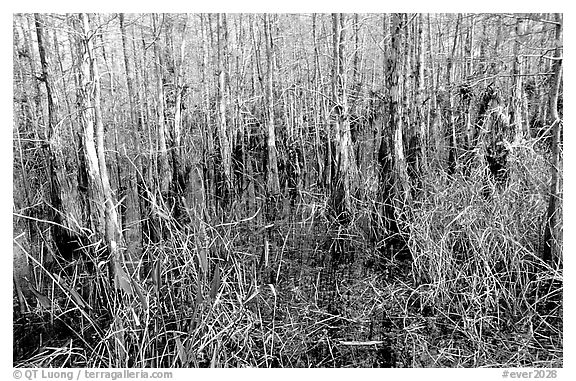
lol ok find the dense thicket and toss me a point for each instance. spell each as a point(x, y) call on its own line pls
point(287, 190)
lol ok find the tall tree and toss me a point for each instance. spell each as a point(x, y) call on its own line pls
point(133, 215)
point(207, 131)
point(422, 130)
point(434, 116)
point(164, 171)
point(394, 80)
point(102, 204)
point(323, 175)
point(517, 90)
point(272, 164)
point(551, 249)
point(452, 133)
point(343, 186)
point(60, 193)
point(179, 91)
point(223, 128)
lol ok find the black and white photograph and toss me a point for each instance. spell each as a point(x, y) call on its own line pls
point(287, 190)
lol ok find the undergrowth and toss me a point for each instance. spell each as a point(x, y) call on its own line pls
point(302, 290)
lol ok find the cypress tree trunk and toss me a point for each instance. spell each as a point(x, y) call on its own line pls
point(59, 186)
point(133, 215)
point(164, 172)
point(343, 186)
point(552, 250)
point(517, 92)
point(395, 122)
point(102, 205)
point(178, 165)
point(422, 131)
point(223, 130)
point(272, 168)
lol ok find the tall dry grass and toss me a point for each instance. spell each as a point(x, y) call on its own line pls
point(305, 291)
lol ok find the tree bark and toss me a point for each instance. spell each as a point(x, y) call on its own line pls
point(178, 165)
point(422, 130)
point(437, 141)
point(102, 205)
point(320, 178)
point(133, 215)
point(207, 131)
point(451, 134)
point(395, 122)
point(519, 130)
point(59, 186)
point(272, 168)
point(164, 172)
point(343, 186)
point(223, 131)
point(552, 249)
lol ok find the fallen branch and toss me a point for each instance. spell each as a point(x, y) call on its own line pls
point(360, 343)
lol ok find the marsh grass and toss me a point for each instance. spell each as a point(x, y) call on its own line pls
point(304, 291)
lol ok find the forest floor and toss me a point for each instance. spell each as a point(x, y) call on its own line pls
point(463, 287)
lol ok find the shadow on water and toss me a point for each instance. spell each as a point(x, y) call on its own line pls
point(355, 337)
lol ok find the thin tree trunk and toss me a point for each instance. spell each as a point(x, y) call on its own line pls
point(103, 215)
point(164, 173)
point(317, 103)
point(208, 136)
point(517, 91)
point(396, 126)
point(118, 168)
point(552, 250)
point(224, 135)
point(37, 114)
point(272, 168)
point(133, 226)
point(177, 162)
point(59, 186)
point(452, 133)
point(434, 119)
point(96, 199)
point(468, 104)
point(420, 88)
point(346, 171)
